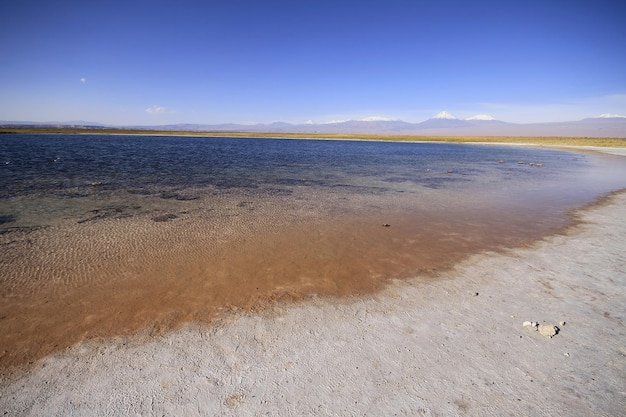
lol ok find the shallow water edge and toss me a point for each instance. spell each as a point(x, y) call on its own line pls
point(199, 253)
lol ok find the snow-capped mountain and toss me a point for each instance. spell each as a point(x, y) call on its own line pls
point(442, 120)
point(444, 115)
point(610, 116)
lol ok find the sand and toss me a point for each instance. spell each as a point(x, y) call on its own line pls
point(451, 345)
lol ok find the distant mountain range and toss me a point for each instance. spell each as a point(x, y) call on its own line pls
point(442, 124)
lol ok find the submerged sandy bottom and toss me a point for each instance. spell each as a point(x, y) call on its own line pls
point(112, 271)
point(451, 346)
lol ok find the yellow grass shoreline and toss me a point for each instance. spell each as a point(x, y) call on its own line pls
point(514, 140)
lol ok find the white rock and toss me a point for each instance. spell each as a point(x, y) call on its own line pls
point(548, 330)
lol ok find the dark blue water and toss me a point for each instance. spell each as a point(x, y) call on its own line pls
point(69, 167)
point(56, 164)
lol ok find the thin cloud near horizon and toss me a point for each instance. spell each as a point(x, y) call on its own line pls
point(158, 110)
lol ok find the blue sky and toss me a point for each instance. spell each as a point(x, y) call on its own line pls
point(158, 62)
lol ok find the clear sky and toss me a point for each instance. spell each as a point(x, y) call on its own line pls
point(179, 61)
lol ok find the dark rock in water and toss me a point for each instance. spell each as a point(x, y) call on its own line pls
point(22, 230)
point(73, 194)
point(110, 212)
point(140, 191)
point(169, 195)
point(386, 225)
point(165, 217)
point(270, 191)
point(7, 219)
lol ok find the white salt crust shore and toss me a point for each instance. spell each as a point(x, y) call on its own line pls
point(449, 346)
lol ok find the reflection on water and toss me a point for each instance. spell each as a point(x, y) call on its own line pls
point(103, 235)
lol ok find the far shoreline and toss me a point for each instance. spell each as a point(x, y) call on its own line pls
point(585, 143)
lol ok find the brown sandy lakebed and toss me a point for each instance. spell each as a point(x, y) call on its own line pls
point(117, 275)
point(451, 346)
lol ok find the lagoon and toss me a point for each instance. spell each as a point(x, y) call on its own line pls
point(104, 235)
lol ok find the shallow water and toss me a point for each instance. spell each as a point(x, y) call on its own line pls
point(104, 235)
